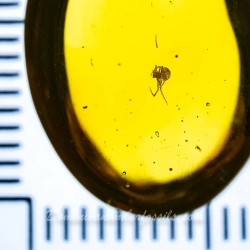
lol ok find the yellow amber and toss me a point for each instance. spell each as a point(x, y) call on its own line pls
point(111, 49)
point(146, 102)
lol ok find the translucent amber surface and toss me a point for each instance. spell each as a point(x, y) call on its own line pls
point(111, 49)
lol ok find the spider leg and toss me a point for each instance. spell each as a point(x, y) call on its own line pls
point(158, 87)
point(162, 82)
point(154, 94)
point(163, 95)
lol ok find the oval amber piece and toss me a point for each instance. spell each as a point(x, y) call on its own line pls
point(154, 108)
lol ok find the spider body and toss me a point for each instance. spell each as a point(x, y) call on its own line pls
point(161, 73)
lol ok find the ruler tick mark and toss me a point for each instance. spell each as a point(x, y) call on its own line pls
point(225, 223)
point(66, 224)
point(9, 92)
point(28, 201)
point(9, 39)
point(83, 224)
point(137, 229)
point(119, 225)
point(48, 224)
point(8, 57)
point(101, 224)
point(9, 181)
point(5, 74)
point(10, 127)
point(9, 145)
point(10, 22)
point(208, 234)
point(172, 229)
point(243, 224)
point(9, 110)
point(190, 226)
point(8, 4)
point(9, 163)
point(154, 227)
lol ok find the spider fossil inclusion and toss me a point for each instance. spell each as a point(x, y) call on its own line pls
point(162, 74)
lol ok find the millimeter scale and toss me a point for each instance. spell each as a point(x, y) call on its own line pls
point(42, 206)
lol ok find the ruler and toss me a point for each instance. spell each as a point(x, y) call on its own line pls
point(42, 206)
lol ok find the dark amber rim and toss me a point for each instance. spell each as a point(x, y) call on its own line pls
point(44, 27)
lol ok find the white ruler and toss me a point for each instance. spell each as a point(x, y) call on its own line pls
point(42, 206)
